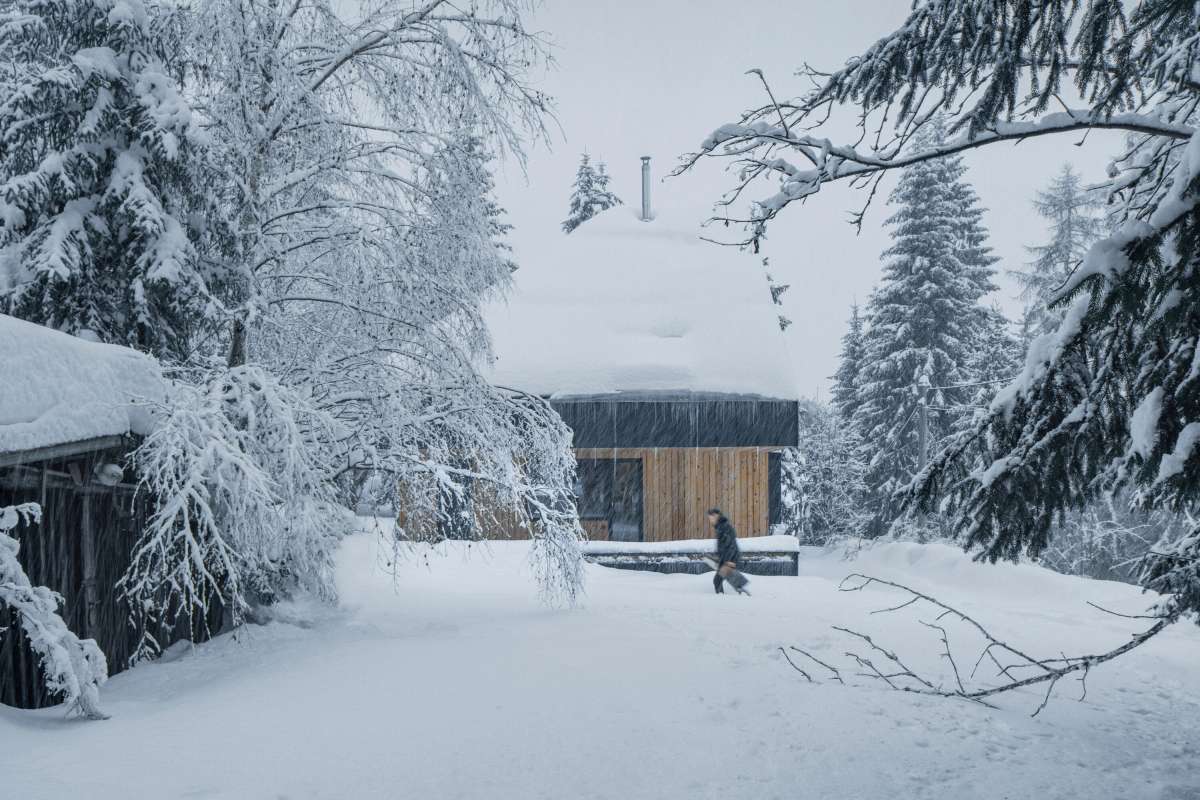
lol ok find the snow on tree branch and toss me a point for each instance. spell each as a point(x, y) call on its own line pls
point(496, 459)
point(993, 68)
point(1060, 436)
point(244, 508)
point(101, 219)
point(74, 668)
point(370, 241)
point(307, 188)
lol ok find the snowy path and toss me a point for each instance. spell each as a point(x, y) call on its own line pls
point(459, 685)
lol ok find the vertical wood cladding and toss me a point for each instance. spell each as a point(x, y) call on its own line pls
point(681, 484)
point(684, 420)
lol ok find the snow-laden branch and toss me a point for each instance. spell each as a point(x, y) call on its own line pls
point(1111, 401)
point(992, 68)
point(73, 668)
point(829, 163)
point(243, 504)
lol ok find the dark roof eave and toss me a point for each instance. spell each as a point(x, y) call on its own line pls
point(672, 395)
point(64, 450)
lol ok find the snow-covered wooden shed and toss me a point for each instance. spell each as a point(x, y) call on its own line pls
point(662, 352)
point(70, 413)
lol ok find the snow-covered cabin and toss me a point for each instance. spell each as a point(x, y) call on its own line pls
point(663, 354)
point(70, 412)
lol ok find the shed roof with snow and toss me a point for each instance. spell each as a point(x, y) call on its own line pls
point(58, 390)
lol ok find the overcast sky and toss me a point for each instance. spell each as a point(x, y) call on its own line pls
point(653, 77)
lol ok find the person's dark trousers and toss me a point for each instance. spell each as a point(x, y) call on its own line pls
point(717, 583)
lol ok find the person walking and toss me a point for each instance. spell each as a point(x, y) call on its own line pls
point(728, 553)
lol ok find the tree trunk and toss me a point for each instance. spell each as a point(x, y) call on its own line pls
point(237, 344)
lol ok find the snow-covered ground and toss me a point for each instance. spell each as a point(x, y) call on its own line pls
point(456, 683)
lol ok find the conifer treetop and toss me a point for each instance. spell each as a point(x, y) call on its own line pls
point(590, 193)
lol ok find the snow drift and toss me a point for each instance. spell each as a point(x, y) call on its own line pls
point(455, 682)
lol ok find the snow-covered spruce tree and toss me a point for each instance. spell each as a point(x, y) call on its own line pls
point(580, 208)
point(73, 668)
point(102, 202)
point(850, 364)
point(994, 360)
point(1112, 398)
point(355, 148)
point(605, 198)
point(925, 319)
point(825, 477)
point(1106, 539)
point(791, 492)
point(590, 195)
point(1076, 223)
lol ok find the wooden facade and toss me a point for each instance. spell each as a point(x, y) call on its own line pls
point(651, 464)
point(674, 455)
point(679, 484)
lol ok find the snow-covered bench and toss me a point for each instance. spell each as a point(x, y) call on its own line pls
point(761, 555)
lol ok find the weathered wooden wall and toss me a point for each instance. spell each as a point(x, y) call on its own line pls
point(80, 549)
point(679, 484)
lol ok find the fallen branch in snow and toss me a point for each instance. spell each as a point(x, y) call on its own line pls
point(837, 675)
point(74, 668)
point(794, 666)
point(899, 676)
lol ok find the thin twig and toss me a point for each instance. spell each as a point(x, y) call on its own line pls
point(896, 608)
point(1124, 616)
point(782, 121)
point(948, 655)
point(836, 674)
point(888, 654)
point(793, 663)
point(1046, 699)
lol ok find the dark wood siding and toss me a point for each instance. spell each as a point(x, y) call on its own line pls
point(680, 421)
point(86, 531)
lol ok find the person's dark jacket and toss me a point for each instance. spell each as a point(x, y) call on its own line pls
point(727, 546)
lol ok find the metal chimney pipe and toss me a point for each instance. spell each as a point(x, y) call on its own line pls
point(645, 188)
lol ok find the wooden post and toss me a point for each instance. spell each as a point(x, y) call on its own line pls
point(91, 594)
point(87, 551)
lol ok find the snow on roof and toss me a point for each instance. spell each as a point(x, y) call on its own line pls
point(623, 305)
point(58, 389)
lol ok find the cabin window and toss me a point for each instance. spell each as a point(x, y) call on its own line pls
point(610, 490)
